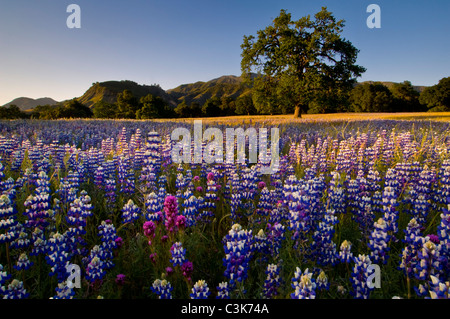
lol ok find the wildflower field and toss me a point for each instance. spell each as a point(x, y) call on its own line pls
point(104, 197)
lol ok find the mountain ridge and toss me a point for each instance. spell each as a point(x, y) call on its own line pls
point(198, 92)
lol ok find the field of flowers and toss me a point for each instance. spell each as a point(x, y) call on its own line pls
point(105, 196)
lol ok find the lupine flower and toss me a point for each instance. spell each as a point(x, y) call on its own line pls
point(58, 256)
point(153, 207)
point(322, 281)
point(413, 242)
point(200, 290)
point(429, 263)
point(275, 237)
point(238, 245)
point(3, 276)
point(272, 282)
point(15, 290)
point(95, 270)
point(359, 277)
point(345, 253)
point(63, 291)
point(304, 285)
point(378, 242)
point(323, 246)
point(162, 288)
point(130, 212)
point(223, 291)
point(439, 289)
point(178, 254)
point(7, 220)
point(23, 263)
point(108, 235)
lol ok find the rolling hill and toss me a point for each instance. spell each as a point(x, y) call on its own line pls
point(227, 85)
point(107, 91)
point(26, 103)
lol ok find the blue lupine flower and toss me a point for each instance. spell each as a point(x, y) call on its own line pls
point(8, 220)
point(378, 242)
point(200, 290)
point(275, 237)
point(191, 208)
point(272, 282)
point(345, 254)
point(324, 249)
point(15, 290)
point(439, 289)
point(413, 242)
point(23, 263)
point(162, 288)
point(108, 235)
point(4, 276)
point(304, 285)
point(359, 277)
point(178, 254)
point(223, 291)
point(322, 281)
point(63, 291)
point(95, 270)
point(39, 242)
point(429, 263)
point(153, 207)
point(130, 212)
point(238, 245)
point(58, 256)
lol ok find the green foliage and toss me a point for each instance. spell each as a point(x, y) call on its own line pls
point(245, 106)
point(406, 98)
point(12, 112)
point(299, 62)
point(437, 97)
point(104, 110)
point(371, 97)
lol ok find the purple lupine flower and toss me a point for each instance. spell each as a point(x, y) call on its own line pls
point(23, 263)
point(272, 281)
point(178, 254)
point(130, 212)
point(304, 285)
point(359, 277)
point(200, 290)
point(162, 288)
point(238, 245)
point(378, 242)
point(15, 290)
point(223, 291)
point(345, 254)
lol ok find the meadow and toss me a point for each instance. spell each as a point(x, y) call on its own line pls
point(351, 191)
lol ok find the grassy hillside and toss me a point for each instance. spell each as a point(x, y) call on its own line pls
point(107, 91)
point(200, 92)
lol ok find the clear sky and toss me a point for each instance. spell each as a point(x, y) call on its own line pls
point(173, 42)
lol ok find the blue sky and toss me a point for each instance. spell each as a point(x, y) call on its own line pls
point(176, 42)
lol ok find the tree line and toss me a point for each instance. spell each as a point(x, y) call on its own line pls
point(364, 97)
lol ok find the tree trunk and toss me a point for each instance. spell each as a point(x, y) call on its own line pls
point(297, 112)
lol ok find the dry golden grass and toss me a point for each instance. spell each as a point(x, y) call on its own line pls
point(306, 118)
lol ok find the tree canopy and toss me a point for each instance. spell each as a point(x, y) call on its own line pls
point(299, 62)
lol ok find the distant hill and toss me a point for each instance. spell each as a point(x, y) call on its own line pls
point(26, 103)
point(108, 91)
point(200, 92)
